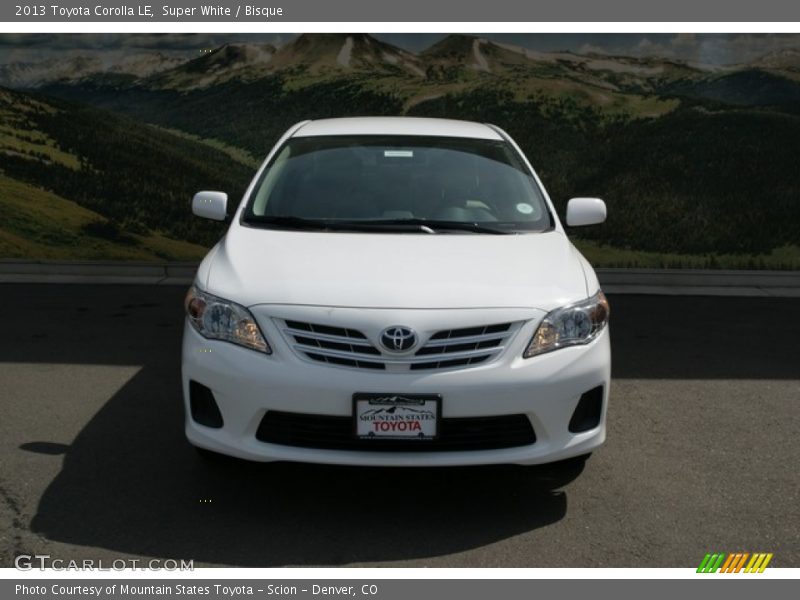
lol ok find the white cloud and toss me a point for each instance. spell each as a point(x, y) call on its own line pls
point(592, 49)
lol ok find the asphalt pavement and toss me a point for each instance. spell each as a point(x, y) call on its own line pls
point(702, 452)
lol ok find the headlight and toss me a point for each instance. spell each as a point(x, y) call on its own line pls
point(570, 325)
point(219, 319)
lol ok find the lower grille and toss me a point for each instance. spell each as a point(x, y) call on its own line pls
point(336, 433)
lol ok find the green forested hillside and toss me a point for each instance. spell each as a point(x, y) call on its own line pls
point(42, 225)
point(701, 179)
point(137, 179)
point(249, 115)
point(694, 181)
point(698, 168)
point(751, 87)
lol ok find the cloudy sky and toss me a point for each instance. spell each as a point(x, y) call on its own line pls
point(712, 49)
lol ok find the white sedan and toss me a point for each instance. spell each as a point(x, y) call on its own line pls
point(398, 292)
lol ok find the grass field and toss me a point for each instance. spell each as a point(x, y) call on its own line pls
point(239, 155)
point(38, 224)
point(786, 258)
point(19, 137)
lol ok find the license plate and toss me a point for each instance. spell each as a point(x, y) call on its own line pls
point(397, 416)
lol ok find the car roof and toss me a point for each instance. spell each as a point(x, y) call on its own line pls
point(397, 126)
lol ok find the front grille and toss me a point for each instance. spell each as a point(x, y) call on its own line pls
point(444, 349)
point(336, 433)
point(461, 347)
point(333, 345)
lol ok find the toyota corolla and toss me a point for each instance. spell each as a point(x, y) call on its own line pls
point(398, 292)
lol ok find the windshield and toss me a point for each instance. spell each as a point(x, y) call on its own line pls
point(389, 182)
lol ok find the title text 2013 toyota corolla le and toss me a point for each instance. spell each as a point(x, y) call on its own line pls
point(400, 292)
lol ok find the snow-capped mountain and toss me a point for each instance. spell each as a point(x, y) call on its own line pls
point(345, 52)
point(229, 61)
point(455, 63)
point(473, 53)
point(786, 60)
point(315, 54)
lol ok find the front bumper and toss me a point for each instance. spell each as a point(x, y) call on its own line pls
point(246, 384)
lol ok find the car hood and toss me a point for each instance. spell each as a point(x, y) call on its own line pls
point(394, 270)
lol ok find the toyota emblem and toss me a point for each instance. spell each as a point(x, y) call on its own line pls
point(398, 338)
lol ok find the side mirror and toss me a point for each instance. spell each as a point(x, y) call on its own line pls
point(585, 211)
point(210, 205)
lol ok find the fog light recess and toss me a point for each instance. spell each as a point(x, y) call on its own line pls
point(587, 413)
point(203, 406)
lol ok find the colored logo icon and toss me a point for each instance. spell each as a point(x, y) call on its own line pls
point(720, 562)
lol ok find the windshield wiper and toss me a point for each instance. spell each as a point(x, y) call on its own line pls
point(383, 225)
point(435, 226)
point(288, 222)
point(423, 225)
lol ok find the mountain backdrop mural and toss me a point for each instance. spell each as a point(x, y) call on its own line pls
point(698, 163)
